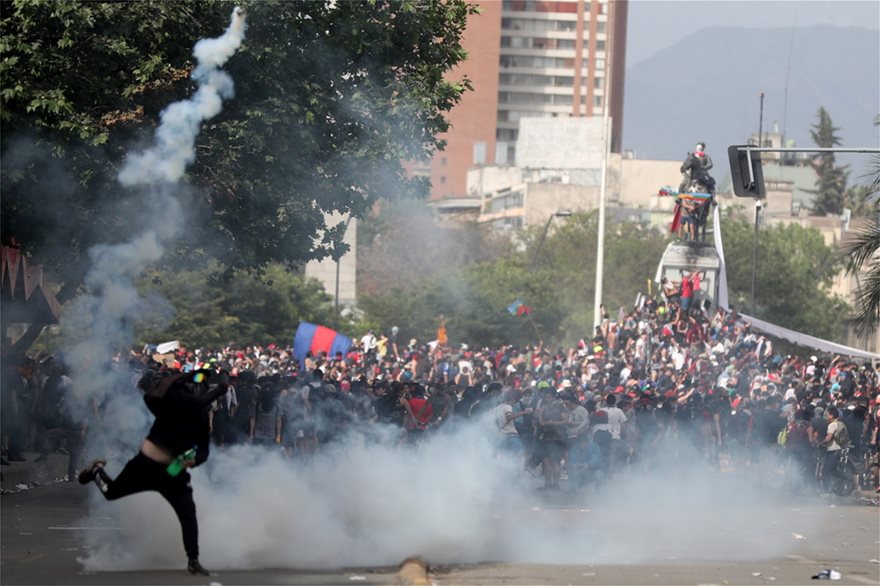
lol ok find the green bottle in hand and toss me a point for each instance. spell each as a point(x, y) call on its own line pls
point(177, 465)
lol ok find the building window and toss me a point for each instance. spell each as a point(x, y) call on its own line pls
point(523, 98)
point(479, 153)
point(506, 201)
point(599, 83)
point(563, 81)
point(562, 100)
point(600, 63)
point(600, 45)
point(540, 6)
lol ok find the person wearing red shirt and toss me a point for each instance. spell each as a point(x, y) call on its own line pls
point(687, 293)
point(422, 410)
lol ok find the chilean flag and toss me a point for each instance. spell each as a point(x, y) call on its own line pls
point(314, 338)
point(676, 219)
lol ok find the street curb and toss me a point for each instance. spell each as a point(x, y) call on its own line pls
point(413, 571)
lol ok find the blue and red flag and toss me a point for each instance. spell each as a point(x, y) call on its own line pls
point(316, 339)
point(519, 309)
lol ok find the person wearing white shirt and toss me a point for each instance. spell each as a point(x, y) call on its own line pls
point(503, 415)
point(616, 417)
point(369, 342)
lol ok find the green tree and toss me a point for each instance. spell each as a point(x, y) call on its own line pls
point(330, 98)
point(194, 307)
point(558, 287)
point(795, 272)
point(860, 253)
point(831, 179)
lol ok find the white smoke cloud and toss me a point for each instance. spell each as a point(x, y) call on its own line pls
point(451, 501)
point(99, 323)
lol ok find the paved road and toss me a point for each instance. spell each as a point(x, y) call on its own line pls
point(42, 538)
point(42, 532)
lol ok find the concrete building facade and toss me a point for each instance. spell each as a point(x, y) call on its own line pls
point(339, 277)
point(531, 59)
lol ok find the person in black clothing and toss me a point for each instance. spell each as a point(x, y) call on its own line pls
point(180, 404)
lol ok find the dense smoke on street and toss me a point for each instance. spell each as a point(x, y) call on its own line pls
point(368, 502)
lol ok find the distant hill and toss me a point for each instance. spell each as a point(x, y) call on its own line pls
point(706, 88)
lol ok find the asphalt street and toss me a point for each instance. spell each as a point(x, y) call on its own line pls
point(42, 537)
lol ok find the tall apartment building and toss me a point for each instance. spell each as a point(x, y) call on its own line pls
point(531, 58)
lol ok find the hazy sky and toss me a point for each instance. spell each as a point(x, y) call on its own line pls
point(657, 24)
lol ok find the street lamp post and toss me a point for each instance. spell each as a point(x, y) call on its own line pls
point(559, 214)
point(758, 205)
point(603, 186)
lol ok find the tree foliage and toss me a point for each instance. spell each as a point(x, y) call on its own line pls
point(860, 253)
point(558, 286)
point(194, 307)
point(831, 179)
point(330, 98)
point(795, 270)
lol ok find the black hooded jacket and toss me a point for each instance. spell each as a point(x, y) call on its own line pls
point(182, 418)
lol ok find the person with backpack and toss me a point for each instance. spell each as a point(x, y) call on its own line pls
point(836, 438)
point(797, 448)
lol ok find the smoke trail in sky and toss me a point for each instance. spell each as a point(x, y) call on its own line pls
point(180, 122)
point(99, 323)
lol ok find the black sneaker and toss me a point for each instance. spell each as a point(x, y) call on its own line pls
point(40, 459)
point(196, 569)
point(88, 474)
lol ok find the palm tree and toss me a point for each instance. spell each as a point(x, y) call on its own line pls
point(861, 255)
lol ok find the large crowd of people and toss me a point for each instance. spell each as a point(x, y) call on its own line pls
point(662, 378)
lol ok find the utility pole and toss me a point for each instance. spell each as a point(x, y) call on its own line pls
point(758, 206)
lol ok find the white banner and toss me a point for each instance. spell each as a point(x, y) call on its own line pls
point(167, 347)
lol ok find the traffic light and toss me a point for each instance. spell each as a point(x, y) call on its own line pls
point(746, 172)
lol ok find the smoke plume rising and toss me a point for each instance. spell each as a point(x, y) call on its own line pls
point(99, 323)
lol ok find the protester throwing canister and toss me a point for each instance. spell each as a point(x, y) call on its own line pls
point(179, 439)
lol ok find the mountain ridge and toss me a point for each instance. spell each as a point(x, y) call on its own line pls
point(706, 88)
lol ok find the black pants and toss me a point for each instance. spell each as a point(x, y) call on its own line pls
point(141, 474)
